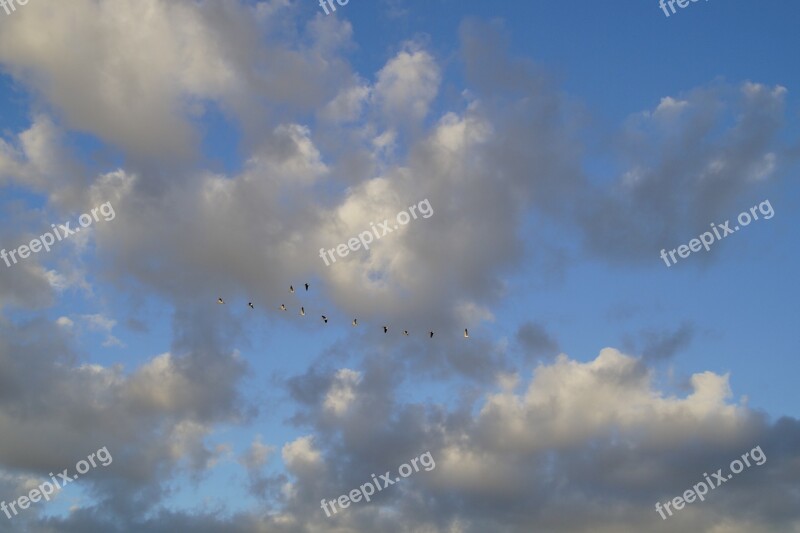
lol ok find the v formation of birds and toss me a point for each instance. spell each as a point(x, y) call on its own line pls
point(325, 318)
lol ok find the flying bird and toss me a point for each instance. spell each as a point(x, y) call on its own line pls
point(283, 307)
point(355, 322)
point(405, 332)
point(302, 311)
point(324, 319)
point(251, 305)
point(220, 301)
point(291, 289)
point(306, 286)
point(466, 333)
point(431, 334)
point(386, 329)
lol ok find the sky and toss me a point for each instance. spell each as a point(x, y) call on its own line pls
point(554, 154)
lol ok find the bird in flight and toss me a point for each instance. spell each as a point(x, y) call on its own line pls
point(325, 318)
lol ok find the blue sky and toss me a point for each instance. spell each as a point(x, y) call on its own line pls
point(561, 146)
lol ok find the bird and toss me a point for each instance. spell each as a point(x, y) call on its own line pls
point(355, 322)
point(466, 333)
point(324, 319)
point(291, 289)
point(431, 334)
point(302, 311)
point(220, 301)
point(283, 307)
point(386, 329)
point(251, 305)
point(405, 332)
point(306, 286)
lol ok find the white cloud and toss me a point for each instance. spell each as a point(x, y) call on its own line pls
point(407, 85)
point(98, 322)
point(257, 454)
point(300, 455)
point(65, 322)
point(570, 401)
point(342, 391)
point(348, 104)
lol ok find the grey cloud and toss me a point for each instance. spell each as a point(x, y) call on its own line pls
point(536, 341)
point(662, 344)
point(141, 92)
point(687, 167)
point(48, 397)
point(512, 469)
point(562, 456)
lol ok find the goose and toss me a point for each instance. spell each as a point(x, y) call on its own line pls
point(220, 301)
point(355, 322)
point(405, 332)
point(291, 289)
point(306, 286)
point(283, 307)
point(386, 329)
point(466, 333)
point(324, 319)
point(431, 334)
point(302, 311)
point(251, 305)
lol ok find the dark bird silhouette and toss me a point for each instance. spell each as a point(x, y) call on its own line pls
point(220, 301)
point(325, 318)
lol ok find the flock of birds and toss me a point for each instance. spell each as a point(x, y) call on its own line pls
point(325, 318)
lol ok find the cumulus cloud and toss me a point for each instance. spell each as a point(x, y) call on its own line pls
point(519, 460)
point(407, 85)
point(141, 87)
point(576, 445)
point(153, 422)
